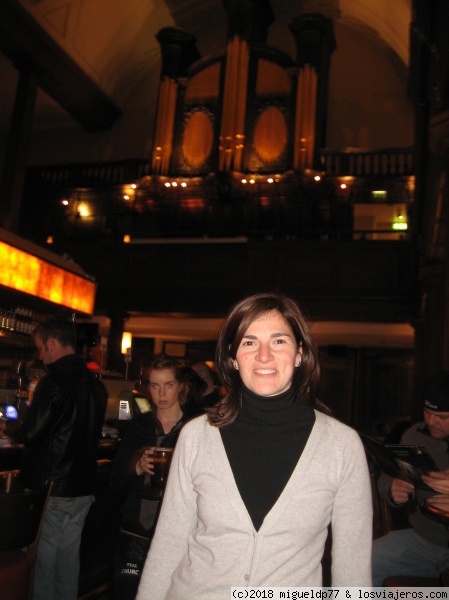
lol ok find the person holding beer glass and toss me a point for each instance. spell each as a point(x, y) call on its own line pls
point(133, 473)
point(255, 483)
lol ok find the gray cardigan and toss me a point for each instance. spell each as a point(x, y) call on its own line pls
point(205, 541)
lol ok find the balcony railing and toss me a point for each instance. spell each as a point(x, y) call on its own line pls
point(99, 202)
point(397, 162)
point(90, 175)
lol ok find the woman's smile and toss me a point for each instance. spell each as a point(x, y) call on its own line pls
point(267, 355)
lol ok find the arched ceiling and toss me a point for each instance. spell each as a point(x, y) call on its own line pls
point(114, 41)
point(388, 20)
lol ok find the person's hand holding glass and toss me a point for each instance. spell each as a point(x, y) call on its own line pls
point(145, 463)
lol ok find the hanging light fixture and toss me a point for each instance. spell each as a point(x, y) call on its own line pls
point(127, 339)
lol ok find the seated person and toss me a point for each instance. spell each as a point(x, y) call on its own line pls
point(423, 549)
point(132, 470)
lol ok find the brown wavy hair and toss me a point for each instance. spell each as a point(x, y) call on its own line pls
point(306, 376)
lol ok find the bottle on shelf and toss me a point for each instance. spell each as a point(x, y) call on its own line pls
point(21, 391)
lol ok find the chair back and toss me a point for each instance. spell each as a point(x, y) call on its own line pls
point(10, 481)
point(382, 519)
point(21, 516)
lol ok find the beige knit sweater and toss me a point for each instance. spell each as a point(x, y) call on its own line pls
point(205, 541)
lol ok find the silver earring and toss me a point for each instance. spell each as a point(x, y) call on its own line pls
point(298, 363)
point(236, 366)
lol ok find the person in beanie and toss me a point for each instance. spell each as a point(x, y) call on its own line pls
point(422, 550)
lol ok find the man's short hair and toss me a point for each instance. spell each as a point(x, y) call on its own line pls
point(62, 330)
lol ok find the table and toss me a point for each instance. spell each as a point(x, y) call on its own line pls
point(436, 508)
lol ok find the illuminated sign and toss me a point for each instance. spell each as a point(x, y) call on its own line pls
point(27, 273)
point(399, 223)
point(379, 195)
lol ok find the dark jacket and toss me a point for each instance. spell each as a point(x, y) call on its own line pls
point(143, 431)
point(62, 428)
point(431, 530)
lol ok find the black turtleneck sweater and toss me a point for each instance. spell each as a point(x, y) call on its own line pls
point(263, 446)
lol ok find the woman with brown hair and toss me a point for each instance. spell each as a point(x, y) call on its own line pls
point(132, 471)
point(255, 483)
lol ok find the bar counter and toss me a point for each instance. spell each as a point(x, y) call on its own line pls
point(102, 523)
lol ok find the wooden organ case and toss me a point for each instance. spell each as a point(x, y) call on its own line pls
point(247, 109)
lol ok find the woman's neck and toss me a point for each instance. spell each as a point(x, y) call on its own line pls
point(168, 417)
point(283, 408)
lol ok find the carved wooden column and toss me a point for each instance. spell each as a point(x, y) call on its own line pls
point(430, 214)
point(15, 162)
point(178, 52)
point(248, 21)
point(315, 43)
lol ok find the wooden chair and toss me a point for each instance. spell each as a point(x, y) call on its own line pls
point(21, 518)
point(382, 520)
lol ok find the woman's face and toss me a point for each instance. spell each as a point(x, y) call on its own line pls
point(164, 388)
point(267, 355)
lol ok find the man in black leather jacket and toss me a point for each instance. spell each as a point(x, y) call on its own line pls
point(60, 433)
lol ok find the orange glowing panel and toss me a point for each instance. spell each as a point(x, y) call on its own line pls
point(198, 139)
point(270, 135)
point(27, 273)
point(192, 203)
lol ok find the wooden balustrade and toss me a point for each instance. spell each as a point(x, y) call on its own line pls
point(90, 175)
point(223, 204)
point(396, 162)
point(392, 162)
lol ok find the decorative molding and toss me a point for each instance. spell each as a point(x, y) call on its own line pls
point(184, 165)
point(198, 139)
point(255, 161)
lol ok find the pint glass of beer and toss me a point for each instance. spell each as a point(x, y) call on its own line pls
point(161, 465)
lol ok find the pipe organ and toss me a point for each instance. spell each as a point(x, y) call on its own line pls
point(249, 108)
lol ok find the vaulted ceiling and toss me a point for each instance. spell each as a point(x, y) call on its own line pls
point(114, 44)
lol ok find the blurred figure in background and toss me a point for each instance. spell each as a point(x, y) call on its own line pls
point(211, 395)
point(194, 388)
point(60, 432)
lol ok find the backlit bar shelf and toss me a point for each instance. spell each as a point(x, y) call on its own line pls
point(30, 269)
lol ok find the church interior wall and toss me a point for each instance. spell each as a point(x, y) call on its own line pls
point(368, 108)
